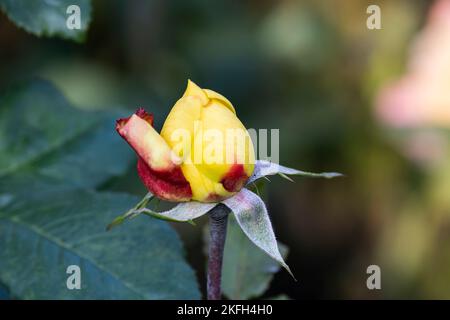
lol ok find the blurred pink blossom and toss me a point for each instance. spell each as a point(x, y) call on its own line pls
point(421, 98)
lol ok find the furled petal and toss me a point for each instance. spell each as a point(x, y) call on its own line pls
point(193, 90)
point(138, 131)
point(158, 167)
point(214, 95)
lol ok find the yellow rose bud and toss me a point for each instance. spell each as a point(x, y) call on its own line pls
point(204, 152)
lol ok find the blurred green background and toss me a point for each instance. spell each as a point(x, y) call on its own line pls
point(315, 71)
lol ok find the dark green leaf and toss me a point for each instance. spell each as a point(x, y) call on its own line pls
point(4, 293)
point(247, 271)
point(51, 155)
point(46, 144)
point(48, 18)
point(41, 237)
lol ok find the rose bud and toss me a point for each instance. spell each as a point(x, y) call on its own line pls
point(204, 153)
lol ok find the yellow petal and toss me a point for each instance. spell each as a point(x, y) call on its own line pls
point(203, 189)
point(178, 129)
point(214, 95)
point(236, 145)
point(193, 90)
point(198, 129)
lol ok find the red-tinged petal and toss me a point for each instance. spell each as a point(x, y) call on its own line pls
point(214, 197)
point(147, 143)
point(167, 185)
point(235, 178)
point(156, 166)
point(141, 113)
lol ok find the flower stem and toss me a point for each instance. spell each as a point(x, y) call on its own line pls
point(218, 219)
